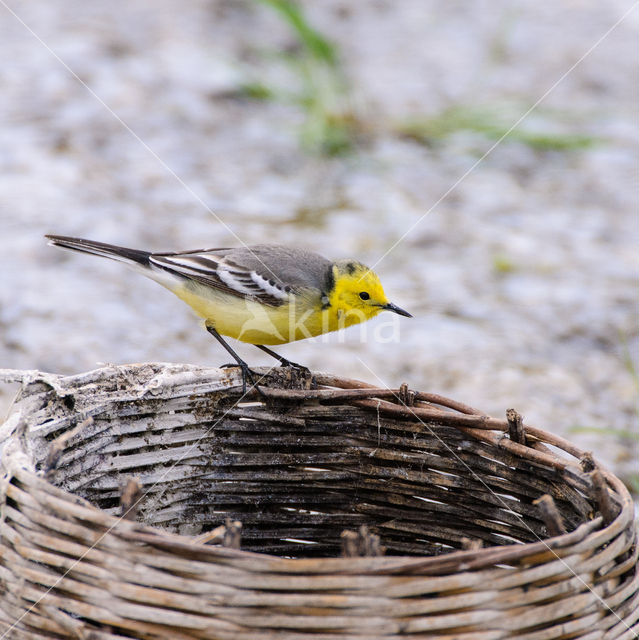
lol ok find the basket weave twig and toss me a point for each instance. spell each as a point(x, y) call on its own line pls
point(127, 490)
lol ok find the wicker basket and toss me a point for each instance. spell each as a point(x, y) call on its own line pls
point(359, 513)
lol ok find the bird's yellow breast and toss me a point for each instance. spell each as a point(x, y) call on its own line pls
point(256, 323)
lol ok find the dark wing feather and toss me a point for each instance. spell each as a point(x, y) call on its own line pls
point(212, 269)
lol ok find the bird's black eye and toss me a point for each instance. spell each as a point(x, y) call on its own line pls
point(364, 295)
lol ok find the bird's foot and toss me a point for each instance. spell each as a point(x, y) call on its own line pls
point(247, 374)
point(294, 365)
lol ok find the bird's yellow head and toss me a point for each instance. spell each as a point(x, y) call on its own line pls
point(356, 291)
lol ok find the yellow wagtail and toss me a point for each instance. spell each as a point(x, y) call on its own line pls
point(262, 294)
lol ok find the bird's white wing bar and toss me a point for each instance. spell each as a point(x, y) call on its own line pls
point(239, 281)
point(270, 286)
point(214, 271)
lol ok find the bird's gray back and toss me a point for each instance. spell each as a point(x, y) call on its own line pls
point(289, 265)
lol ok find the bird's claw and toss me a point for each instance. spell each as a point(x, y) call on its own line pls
point(247, 374)
point(294, 365)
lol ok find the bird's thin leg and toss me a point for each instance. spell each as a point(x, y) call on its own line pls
point(283, 361)
point(246, 372)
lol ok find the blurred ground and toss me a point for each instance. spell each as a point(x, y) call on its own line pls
point(523, 280)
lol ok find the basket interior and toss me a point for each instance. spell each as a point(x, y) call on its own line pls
point(298, 475)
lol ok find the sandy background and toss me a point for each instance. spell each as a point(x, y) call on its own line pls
point(523, 280)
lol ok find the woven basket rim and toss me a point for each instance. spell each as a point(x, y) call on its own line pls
point(472, 421)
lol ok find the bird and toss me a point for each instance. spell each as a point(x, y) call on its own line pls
point(264, 294)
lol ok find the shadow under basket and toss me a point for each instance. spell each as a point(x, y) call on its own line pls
point(155, 501)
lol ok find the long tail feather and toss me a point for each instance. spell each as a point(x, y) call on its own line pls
point(131, 256)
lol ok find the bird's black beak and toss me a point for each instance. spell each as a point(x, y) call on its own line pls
point(395, 309)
